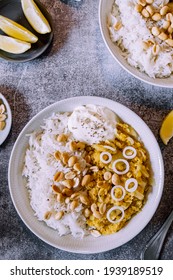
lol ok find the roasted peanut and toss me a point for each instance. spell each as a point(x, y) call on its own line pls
point(169, 42)
point(80, 146)
point(56, 189)
point(156, 17)
point(155, 31)
point(96, 214)
point(163, 36)
point(145, 13)
point(47, 215)
point(73, 205)
point(72, 146)
point(87, 212)
point(95, 233)
point(62, 138)
point(57, 155)
point(117, 26)
point(2, 117)
point(86, 180)
point(142, 2)
point(149, 1)
point(59, 197)
point(58, 176)
point(164, 10)
point(138, 8)
point(84, 199)
point(59, 215)
point(69, 183)
point(155, 49)
point(2, 109)
point(77, 166)
point(2, 125)
point(65, 158)
point(150, 9)
point(70, 175)
point(166, 24)
point(169, 17)
point(72, 160)
point(67, 191)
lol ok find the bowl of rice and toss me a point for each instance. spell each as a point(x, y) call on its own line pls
point(138, 34)
point(86, 175)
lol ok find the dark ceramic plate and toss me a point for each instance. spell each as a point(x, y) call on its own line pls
point(12, 9)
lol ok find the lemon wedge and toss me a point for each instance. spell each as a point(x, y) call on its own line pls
point(166, 131)
point(13, 45)
point(35, 17)
point(16, 30)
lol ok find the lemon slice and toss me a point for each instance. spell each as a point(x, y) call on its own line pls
point(16, 30)
point(166, 131)
point(35, 17)
point(13, 45)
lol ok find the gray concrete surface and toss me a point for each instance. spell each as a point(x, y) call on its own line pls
point(78, 63)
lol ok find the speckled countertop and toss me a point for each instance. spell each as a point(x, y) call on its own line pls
point(78, 63)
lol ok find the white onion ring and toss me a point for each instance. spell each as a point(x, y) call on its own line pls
point(120, 172)
point(107, 154)
point(127, 183)
point(131, 149)
point(123, 193)
point(112, 209)
point(110, 148)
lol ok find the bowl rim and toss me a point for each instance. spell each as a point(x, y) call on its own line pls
point(158, 82)
point(46, 111)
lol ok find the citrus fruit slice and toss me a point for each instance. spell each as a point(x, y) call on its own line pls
point(13, 45)
point(16, 30)
point(35, 17)
point(166, 131)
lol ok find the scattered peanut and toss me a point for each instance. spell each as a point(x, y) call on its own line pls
point(72, 160)
point(164, 10)
point(169, 42)
point(73, 205)
point(68, 183)
point(62, 138)
point(2, 125)
point(67, 191)
point(59, 197)
point(166, 24)
point(59, 215)
point(57, 155)
point(155, 49)
point(2, 109)
point(138, 8)
point(87, 212)
point(86, 180)
point(142, 2)
point(47, 215)
point(84, 199)
point(155, 31)
point(96, 214)
point(169, 17)
point(58, 176)
point(145, 13)
point(150, 9)
point(117, 26)
point(163, 36)
point(156, 17)
point(2, 117)
point(72, 146)
point(56, 189)
point(70, 175)
point(80, 146)
point(77, 166)
point(65, 158)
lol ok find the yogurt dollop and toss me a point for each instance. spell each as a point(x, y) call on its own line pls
point(92, 124)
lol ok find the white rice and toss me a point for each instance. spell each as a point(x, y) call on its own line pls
point(40, 167)
point(134, 32)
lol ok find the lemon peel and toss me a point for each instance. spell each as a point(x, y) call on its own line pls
point(35, 17)
point(16, 30)
point(166, 131)
point(13, 45)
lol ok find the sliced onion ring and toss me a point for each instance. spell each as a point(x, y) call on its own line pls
point(123, 193)
point(128, 182)
point(120, 172)
point(110, 148)
point(112, 209)
point(131, 149)
point(107, 154)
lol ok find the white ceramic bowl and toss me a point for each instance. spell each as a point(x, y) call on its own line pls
point(105, 7)
point(89, 244)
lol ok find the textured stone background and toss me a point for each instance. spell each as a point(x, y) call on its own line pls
point(78, 63)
